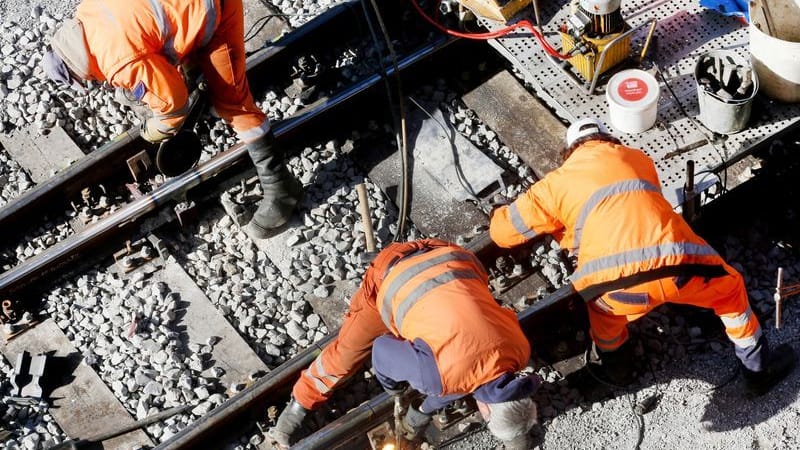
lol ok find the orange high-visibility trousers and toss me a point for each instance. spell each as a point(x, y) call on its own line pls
point(726, 296)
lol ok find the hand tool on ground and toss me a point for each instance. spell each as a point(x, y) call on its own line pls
point(33, 389)
point(86, 443)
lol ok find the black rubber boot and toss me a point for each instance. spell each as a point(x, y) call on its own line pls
point(282, 192)
point(615, 367)
point(286, 429)
point(781, 362)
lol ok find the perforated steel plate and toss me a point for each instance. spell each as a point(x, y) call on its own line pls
point(683, 33)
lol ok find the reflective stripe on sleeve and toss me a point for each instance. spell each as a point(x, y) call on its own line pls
point(211, 20)
point(180, 112)
point(519, 223)
point(168, 45)
point(639, 255)
point(739, 320)
point(323, 375)
point(425, 287)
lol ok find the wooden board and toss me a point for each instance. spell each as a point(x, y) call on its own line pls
point(199, 320)
point(520, 121)
point(83, 406)
point(41, 155)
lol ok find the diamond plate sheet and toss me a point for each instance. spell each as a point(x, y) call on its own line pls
point(683, 33)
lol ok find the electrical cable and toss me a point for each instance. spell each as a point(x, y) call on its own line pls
point(396, 121)
point(526, 24)
point(404, 138)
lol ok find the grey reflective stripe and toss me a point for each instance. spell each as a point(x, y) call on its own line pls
point(642, 254)
point(211, 21)
point(180, 112)
point(168, 47)
point(424, 288)
point(406, 276)
point(321, 387)
point(254, 133)
point(602, 194)
point(739, 320)
point(747, 341)
point(518, 223)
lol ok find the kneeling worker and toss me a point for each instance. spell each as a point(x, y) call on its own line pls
point(425, 312)
point(138, 45)
point(634, 252)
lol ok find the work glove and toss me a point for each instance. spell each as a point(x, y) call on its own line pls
point(414, 423)
point(151, 133)
point(397, 390)
point(288, 424)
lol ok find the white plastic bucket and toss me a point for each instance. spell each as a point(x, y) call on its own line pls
point(632, 100)
point(777, 62)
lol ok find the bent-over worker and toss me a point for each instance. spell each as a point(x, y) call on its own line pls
point(425, 312)
point(138, 45)
point(634, 253)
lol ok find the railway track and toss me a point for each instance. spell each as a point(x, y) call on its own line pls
point(218, 420)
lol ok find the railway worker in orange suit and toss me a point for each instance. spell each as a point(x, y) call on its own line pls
point(425, 313)
point(634, 253)
point(139, 45)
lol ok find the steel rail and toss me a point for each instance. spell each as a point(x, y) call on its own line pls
point(103, 163)
point(74, 247)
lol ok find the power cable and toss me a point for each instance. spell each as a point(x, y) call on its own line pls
point(389, 97)
point(401, 225)
point(526, 24)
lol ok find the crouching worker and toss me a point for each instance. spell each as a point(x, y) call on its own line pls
point(634, 252)
point(425, 312)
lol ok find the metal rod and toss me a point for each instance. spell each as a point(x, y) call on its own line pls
point(140, 423)
point(688, 193)
point(646, 45)
point(778, 296)
point(366, 217)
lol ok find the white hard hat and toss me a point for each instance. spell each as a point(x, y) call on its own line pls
point(582, 128)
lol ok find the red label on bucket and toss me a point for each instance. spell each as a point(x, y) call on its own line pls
point(632, 89)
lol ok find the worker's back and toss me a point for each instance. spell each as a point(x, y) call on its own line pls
point(118, 32)
point(617, 220)
point(441, 296)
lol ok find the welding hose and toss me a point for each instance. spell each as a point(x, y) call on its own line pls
point(495, 34)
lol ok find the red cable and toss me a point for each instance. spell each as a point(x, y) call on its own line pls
point(494, 34)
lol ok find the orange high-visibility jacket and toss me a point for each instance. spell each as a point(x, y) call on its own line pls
point(605, 205)
point(441, 296)
point(138, 44)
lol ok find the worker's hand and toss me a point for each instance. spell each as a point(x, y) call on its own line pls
point(414, 423)
point(288, 424)
point(397, 390)
point(151, 133)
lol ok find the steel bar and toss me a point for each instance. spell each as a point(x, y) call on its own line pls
point(74, 247)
